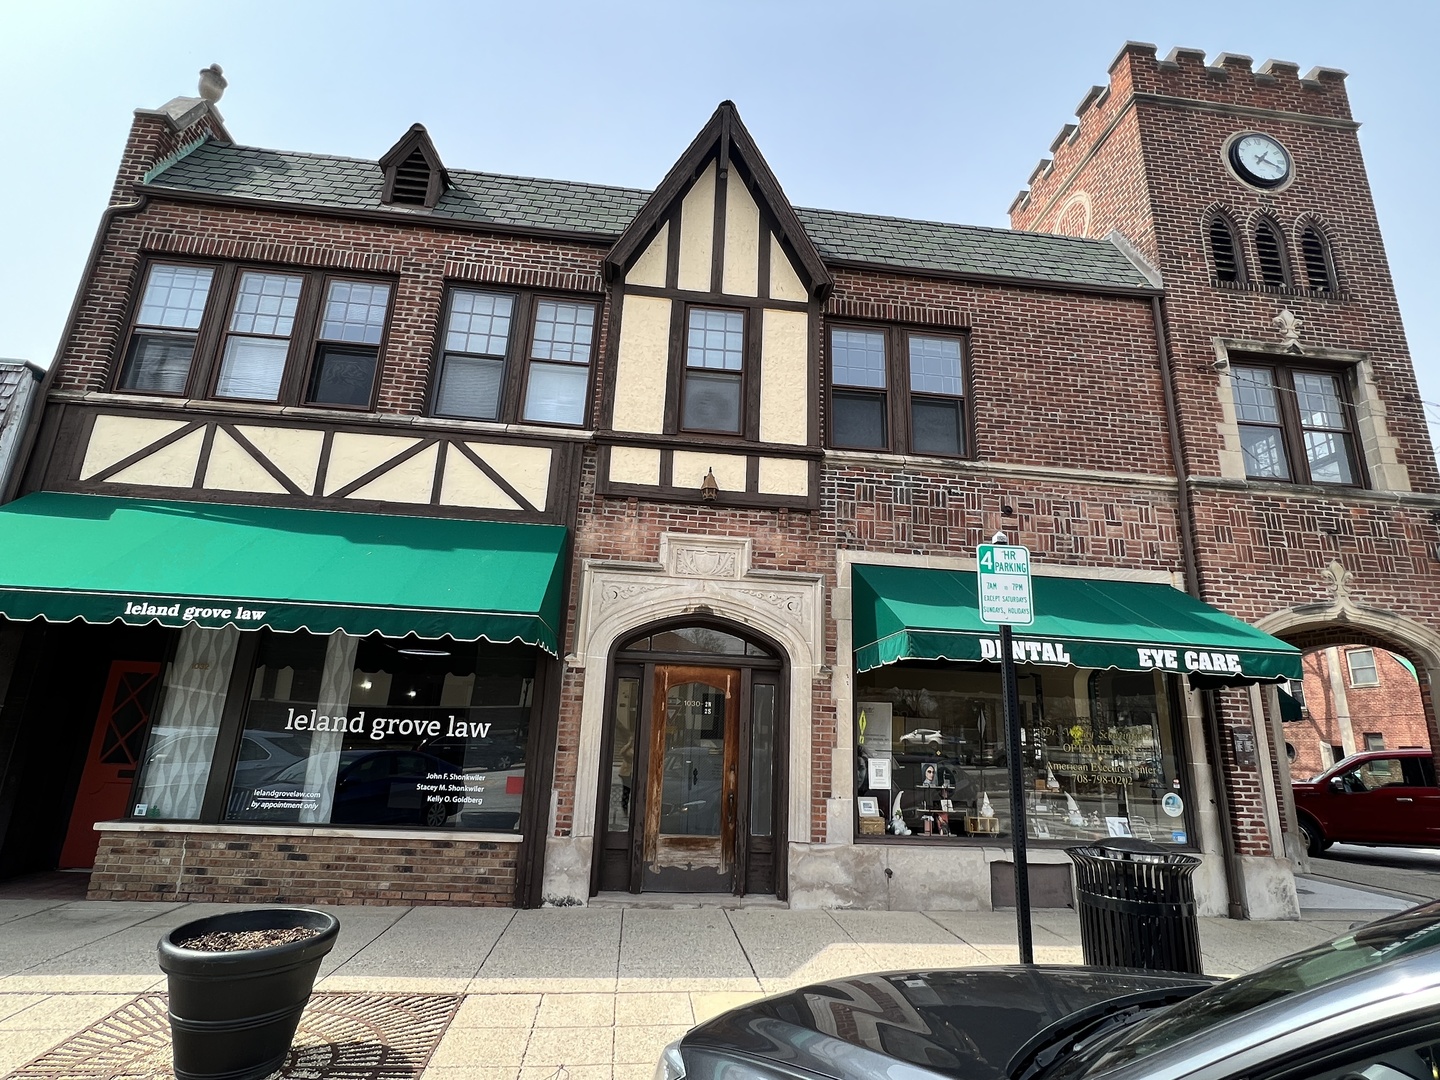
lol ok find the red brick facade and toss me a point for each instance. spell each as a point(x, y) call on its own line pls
point(1390, 708)
point(1077, 400)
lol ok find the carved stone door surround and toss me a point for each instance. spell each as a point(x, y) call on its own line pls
point(706, 576)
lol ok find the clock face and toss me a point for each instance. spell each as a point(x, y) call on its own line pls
point(1260, 160)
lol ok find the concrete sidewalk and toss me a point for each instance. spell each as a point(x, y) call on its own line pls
point(519, 994)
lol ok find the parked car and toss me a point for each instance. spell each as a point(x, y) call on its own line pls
point(1376, 797)
point(1366, 1005)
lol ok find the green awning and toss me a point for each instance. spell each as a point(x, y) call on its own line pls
point(1291, 711)
point(140, 561)
point(911, 613)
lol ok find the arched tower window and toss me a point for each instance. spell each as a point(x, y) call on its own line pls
point(1270, 255)
point(1226, 260)
point(1319, 262)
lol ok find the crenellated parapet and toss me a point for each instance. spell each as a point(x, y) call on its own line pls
point(1228, 82)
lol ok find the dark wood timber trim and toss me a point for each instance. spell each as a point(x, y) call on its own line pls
point(672, 251)
point(145, 451)
point(718, 299)
point(762, 273)
point(717, 235)
point(438, 486)
point(723, 134)
point(327, 447)
point(675, 368)
point(380, 470)
point(202, 460)
point(260, 459)
point(495, 478)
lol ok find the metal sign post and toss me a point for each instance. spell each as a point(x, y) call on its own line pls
point(1005, 598)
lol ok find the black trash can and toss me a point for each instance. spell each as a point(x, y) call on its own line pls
point(1137, 906)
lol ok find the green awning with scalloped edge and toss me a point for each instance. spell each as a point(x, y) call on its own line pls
point(138, 561)
point(914, 613)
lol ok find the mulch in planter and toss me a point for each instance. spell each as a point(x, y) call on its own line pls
point(238, 940)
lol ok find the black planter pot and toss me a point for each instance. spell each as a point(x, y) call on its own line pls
point(233, 1015)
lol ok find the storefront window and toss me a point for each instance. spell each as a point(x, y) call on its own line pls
point(385, 732)
point(1099, 749)
point(181, 743)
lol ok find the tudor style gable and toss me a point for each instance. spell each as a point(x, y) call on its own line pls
point(716, 291)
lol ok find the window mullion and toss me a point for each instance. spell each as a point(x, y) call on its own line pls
point(517, 359)
point(897, 371)
point(1293, 429)
point(304, 338)
point(205, 369)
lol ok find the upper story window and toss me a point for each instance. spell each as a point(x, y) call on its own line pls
point(266, 342)
point(1363, 671)
point(714, 371)
point(512, 357)
point(162, 346)
point(897, 390)
point(1295, 424)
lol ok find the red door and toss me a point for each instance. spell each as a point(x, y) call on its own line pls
point(115, 748)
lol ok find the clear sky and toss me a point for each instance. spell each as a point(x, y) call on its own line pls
point(928, 110)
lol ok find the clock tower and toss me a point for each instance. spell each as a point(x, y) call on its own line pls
point(1303, 456)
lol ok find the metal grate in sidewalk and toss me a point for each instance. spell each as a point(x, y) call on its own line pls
point(341, 1037)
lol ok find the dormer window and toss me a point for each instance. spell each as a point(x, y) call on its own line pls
point(414, 175)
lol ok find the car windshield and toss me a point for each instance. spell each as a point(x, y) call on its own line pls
point(1367, 947)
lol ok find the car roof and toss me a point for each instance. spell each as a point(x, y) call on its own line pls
point(1289, 1025)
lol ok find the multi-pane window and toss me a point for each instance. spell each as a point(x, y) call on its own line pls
point(1294, 425)
point(253, 361)
point(936, 423)
point(859, 400)
point(488, 334)
point(897, 390)
point(351, 326)
point(714, 370)
point(253, 335)
point(559, 362)
point(162, 347)
point(1362, 668)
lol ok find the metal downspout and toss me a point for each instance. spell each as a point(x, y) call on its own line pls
point(1210, 720)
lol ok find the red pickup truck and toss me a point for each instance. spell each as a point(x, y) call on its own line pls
point(1376, 797)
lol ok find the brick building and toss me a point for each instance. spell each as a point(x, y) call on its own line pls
point(1353, 699)
point(478, 539)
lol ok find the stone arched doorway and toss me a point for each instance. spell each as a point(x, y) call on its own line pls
point(691, 792)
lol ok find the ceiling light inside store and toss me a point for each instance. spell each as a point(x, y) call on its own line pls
point(423, 652)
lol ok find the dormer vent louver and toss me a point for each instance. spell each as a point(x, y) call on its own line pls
point(412, 180)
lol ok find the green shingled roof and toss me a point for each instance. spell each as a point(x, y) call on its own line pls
point(490, 199)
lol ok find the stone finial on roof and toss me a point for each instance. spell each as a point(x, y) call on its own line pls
point(212, 83)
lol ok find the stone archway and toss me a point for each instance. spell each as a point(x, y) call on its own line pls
point(695, 576)
point(1343, 620)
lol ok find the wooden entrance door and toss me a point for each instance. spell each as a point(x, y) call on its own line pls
point(115, 748)
point(689, 838)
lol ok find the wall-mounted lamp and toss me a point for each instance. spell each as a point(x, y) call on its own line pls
point(709, 489)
